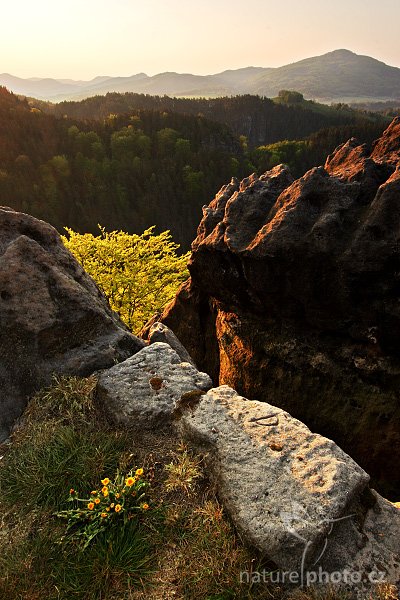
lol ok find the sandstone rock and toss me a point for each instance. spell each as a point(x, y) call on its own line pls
point(387, 148)
point(143, 391)
point(297, 305)
point(161, 333)
point(351, 162)
point(366, 547)
point(53, 318)
point(293, 494)
point(263, 460)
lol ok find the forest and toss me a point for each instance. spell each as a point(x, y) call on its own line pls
point(129, 161)
point(262, 120)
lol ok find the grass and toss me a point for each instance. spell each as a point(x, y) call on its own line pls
point(41, 566)
point(183, 471)
point(184, 548)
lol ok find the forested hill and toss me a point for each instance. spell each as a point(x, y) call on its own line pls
point(145, 166)
point(127, 172)
point(261, 120)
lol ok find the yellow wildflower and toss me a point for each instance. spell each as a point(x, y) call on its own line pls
point(105, 491)
point(118, 508)
point(105, 481)
point(118, 495)
point(145, 506)
point(90, 506)
point(93, 492)
point(97, 501)
point(104, 515)
point(112, 505)
point(139, 472)
point(108, 509)
point(129, 481)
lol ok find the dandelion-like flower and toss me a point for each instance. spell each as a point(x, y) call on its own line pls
point(97, 501)
point(145, 506)
point(118, 508)
point(104, 515)
point(105, 481)
point(90, 505)
point(93, 492)
point(105, 491)
point(139, 472)
point(118, 495)
point(129, 481)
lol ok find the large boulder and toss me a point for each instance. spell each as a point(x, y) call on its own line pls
point(53, 317)
point(145, 391)
point(294, 298)
point(293, 494)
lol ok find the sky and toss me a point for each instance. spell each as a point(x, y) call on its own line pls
point(81, 39)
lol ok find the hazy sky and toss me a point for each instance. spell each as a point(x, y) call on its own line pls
point(85, 38)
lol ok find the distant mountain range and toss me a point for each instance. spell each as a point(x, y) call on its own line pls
point(338, 76)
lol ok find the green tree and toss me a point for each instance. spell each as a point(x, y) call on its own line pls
point(166, 140)
point(139, 274)
point(290, 97)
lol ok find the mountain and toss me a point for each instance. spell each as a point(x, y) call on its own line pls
point(338, 76)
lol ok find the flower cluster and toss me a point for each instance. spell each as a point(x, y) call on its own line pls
point(114, 502)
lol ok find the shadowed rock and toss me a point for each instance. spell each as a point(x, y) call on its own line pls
point(159, 332)
point(53, 318)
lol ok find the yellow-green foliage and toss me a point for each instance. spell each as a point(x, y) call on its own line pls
point(139, 274)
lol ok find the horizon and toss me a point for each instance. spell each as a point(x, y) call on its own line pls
point(99, 75)
point(44, 40)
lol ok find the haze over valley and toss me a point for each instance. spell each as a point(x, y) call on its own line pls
point(337, 76)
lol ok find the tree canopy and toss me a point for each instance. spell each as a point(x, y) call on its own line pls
point(139, 274)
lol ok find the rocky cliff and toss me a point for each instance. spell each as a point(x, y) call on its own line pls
point(53, 318)
point(294, 297)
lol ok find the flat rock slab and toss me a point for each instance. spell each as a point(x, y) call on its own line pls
point(144, 390)
point(283, 485)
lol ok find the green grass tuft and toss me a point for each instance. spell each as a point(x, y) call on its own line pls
point(41, 469)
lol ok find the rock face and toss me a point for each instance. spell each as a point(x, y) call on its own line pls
point(294, 298)
point(53, 318)
point(293, 494)
point(145, 390)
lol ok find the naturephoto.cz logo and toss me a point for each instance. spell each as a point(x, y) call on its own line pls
point(305, 577)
